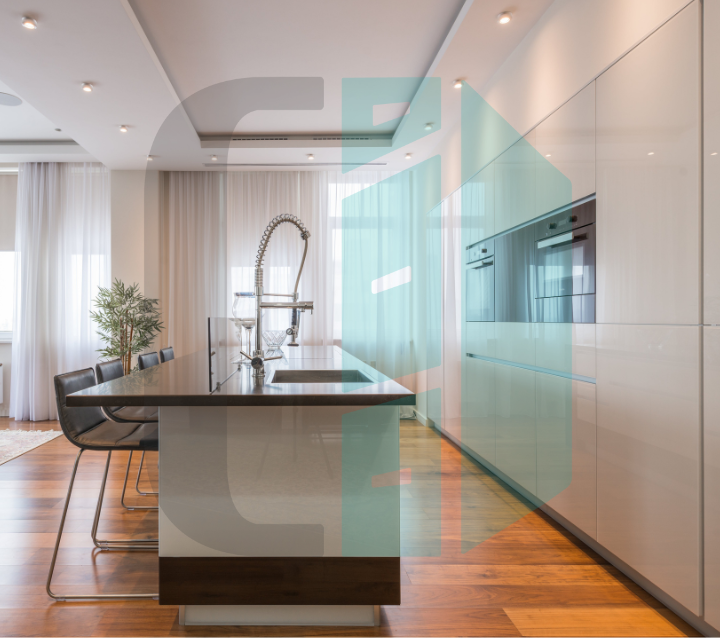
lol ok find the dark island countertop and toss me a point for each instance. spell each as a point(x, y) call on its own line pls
point(185, 381)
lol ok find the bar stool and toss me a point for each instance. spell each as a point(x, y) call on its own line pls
point(107, 371)
point(88, 429)
point(166, 354)
point(148, 360)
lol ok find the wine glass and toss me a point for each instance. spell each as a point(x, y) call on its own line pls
point(243, 310)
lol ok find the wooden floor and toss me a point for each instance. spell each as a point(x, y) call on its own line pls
point(529, 578)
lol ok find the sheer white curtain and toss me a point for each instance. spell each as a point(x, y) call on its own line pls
point(196, 257)
point(62, 244)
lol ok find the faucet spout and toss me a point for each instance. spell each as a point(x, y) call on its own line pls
point(297, 307)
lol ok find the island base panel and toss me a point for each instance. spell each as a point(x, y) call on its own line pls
point(293, 615)
point(280, 581)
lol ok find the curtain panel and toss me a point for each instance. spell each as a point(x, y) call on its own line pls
point(62, 253)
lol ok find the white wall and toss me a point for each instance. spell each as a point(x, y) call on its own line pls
point(135, 221)
point(135, 230)
point(573, 42)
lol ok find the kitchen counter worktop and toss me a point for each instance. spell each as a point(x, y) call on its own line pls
point(185, 381)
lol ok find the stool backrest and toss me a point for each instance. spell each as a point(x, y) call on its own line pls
point(166, 354)
point(76, 421)
point(148, 360)
point(109, 370)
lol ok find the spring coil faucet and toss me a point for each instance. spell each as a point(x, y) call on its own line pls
point(258, 355)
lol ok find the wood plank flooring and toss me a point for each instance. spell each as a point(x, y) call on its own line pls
point(529, 577)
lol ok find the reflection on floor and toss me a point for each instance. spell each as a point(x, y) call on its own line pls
point(531, 578)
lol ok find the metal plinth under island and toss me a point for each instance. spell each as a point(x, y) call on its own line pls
point(279, 499)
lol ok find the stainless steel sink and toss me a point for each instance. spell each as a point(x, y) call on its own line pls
point(320, 376)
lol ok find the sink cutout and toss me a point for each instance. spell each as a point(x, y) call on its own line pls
point(320, 376)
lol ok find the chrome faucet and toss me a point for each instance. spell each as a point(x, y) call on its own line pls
point(258, 355)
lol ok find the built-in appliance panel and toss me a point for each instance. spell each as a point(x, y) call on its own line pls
point(577, 216)
point(480, 251)
point(711, 441)
point(578, 502)
point(648, 445)
point(565, 143)
point(648, 133)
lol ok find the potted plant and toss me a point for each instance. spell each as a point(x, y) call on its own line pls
point(128, 321)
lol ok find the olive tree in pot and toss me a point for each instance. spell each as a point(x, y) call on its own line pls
point(128, 321)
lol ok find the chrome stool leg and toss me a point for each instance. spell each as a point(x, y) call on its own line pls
point(125, 543)
point(137, 480)
point(57, 547)
point(122, 496)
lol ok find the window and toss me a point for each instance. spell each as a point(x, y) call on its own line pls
point(7, 294)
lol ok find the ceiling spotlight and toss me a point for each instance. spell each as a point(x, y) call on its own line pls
point(408, 156)
point(713, 153)
point(123, 129)
point(458, 84)
point(214, 158)
point(87, 87)
point(149, 158)
point(58, 129)
point(548, 155)
point(428, 126)
point(310, 156)
point(504, 17)
point(651, 153)
point(29, 23)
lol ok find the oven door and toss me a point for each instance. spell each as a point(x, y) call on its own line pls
point(480, 290)
point(565, 267)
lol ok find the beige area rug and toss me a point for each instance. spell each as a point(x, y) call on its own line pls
point(14, 443)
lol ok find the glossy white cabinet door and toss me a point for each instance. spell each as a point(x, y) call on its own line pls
point(478, 417)
point(565, 143)
point(515, 439)
point(648, 452)
point(711, 117)
point(515, 184)
point(478, 206)
point(711, 419)
point(577, 503)
point(648, 216)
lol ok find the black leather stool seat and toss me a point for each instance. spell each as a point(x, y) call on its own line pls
point(136, 412)
point(120, 436)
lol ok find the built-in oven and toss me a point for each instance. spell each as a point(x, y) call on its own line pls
point(542, 272)
point(480, 282)
point(565, 266)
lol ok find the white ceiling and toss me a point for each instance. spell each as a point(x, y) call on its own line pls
point(143, 56)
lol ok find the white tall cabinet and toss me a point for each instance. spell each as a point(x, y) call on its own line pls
point(648, 283)
point(711, 336)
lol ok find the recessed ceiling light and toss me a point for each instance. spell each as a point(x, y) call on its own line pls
point(408, 156)
point(713, 153)
point(651, 153)
point(214, 158)
point(9, 100)
point(504, 17)
point(458, 84)
point(29, 23)
point(58, 130)
point(149, 158)
point(87, 87)
point(428, 126)
point(310, 156)
point(548, 155)
point(123, 129)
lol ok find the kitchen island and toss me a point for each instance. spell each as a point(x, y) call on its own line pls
point(279, 498)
